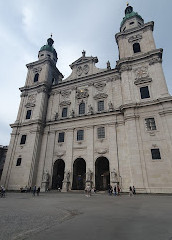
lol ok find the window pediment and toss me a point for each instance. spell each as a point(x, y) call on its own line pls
point(100, 96)
point(65, 103)
point(142, 80)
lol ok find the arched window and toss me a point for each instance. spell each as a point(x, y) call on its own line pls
point(28, 114)
point(136, 47)
point(36, 77)
point(82, 108)
point(18, 163)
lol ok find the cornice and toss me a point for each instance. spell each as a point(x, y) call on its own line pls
point(107, 75)
point(39, 87)
point(146, 26)
point(145, 103)
point(46, 60)
point(85, 117)
point(28, 123)
point(141, 56)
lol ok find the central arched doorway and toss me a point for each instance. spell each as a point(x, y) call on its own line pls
point(58, 174)
point(102, 174)
point(79, 172)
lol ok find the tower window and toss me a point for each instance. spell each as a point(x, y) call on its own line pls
point(144, 92)
point(101, 132)
point(82, 108)
point(131, 23)
point(150, 124)
point(136, 47)
point(23, 139)
point(61, 137)
point(64, 112)
point(156, 153)
point(28, 114)
point(36, 77)
point(53, 81)
point(100, 106)
point(18, 163)
point(80, 135)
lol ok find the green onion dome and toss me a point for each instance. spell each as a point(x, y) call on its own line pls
point(49, 47)
point(129, 13)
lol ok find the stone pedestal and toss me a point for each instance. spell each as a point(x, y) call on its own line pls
point(89, 183)
point(66, 186)
point(44, 186)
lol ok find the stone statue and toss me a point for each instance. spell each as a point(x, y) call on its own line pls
point(108, 65)
point(110, 106)
point(72, 114)
point(45, 176)
point(114, 175)
point(56, 116)
point(89, 175)
point(90, 109)
point(67, 176)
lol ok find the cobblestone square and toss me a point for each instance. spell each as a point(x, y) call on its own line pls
point(74, 216)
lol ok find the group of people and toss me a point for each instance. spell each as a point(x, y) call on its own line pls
point(116, 190)
point(89, 190)
point(36, 190)
point(132, 191)
point(2, 191)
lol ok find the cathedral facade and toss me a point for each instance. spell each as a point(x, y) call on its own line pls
point(98, 126)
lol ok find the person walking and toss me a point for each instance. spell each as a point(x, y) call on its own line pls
point(114, 191)
point(34, 190)
point(134, 190)
point(38, 191)
point(130, 191)
point(118, 189)
point(2, 191)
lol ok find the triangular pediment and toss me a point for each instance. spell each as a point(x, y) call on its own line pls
point(83, 67)
point(82, 60)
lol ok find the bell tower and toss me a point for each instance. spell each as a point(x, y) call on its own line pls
point(23, 154)
point(140, 62)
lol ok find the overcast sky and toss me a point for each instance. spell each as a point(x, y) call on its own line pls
point(76, 25)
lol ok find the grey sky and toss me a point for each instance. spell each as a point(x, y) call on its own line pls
point(75, 25)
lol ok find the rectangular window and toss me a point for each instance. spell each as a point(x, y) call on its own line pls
point(61, 137)
point(100, 106)
point(18, 163)
point(23, 139)
point(150, 124)
point(28, 114)
point(80, 135)
point(64, 112)
point(144, 92)
point(156, 153)
point(101, 132)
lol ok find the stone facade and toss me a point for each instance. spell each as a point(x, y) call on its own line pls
point(3, 152)
point(98, 126)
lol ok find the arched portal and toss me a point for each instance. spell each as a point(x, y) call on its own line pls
point(58, 174)
point(79, 172)
point(102, 174)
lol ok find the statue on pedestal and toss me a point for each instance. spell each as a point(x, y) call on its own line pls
point(114, 176)
point(110, 106)
point(90, 109)
point(66, 181)
point(45, 181)
point(72, 114)
point(67, 176)
point(45, 176)
point(89, 175)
